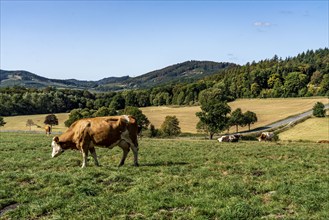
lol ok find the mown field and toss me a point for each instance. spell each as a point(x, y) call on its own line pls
point(313, 129)
point(267, 110)
point(177, 179)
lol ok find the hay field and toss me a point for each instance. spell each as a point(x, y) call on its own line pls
point(267, 110)
point(312, 129)
point(18, 123)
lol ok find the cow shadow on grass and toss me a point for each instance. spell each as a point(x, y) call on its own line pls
point(163, 163)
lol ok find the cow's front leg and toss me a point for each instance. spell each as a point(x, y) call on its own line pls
point(125, 148)
point(93, 154)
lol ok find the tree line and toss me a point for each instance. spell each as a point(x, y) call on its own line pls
point(307, 74)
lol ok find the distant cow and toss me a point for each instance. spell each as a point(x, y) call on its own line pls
point(229, 138)
point(48, 130)
point(108, 132)
point(323, 141)
point(266, 136)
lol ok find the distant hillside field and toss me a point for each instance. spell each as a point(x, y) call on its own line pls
point(267, 110)
point(18, 123)
point(312, 129)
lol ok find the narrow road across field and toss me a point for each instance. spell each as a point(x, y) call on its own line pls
point(283, 122)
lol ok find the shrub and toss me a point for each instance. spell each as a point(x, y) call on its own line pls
point(318, 110)
point(170, 126)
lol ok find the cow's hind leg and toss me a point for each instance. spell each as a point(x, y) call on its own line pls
point(84, 150)
point(92, 150)
point(84, 157)
point(125, 148)
point(135, 151)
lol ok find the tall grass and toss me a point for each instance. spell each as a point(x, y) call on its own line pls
point(177, 179)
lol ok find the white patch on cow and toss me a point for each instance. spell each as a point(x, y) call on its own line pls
point(57, 149)
point(126, 117)
point(220, 139)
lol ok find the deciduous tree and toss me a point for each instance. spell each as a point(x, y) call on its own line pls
point(213, 117)
point(318, 110)
point(170, 126)
point(250, 118)
point(51, 120)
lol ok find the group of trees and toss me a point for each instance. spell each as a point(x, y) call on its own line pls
point(216, 117)
point(307, 74)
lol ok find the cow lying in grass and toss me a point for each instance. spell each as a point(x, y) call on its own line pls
point(266, 136)
point(229, 138)
point(108, 132)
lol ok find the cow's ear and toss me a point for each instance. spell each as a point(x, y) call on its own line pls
point(56, 139)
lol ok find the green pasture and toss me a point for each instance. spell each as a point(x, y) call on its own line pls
point(177, 179)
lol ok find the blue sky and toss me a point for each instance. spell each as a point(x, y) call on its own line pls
point(91, 40)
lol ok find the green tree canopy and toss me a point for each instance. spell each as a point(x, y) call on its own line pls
point(170, 126)
point(118, 102)
point(105, 111)
point(318, 110)
point(250, 118)
point(237, 119)
point(213, 117)
point(74, 115)
point(295, 81)
point(51, 120)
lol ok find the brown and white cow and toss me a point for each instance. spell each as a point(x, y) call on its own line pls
point(48, 130)
point(266, 136)
point(229, 138)
point(108, 132)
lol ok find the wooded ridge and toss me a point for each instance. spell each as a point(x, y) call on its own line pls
point(188, 71)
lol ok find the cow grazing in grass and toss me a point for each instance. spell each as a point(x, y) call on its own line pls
point(229, 138)
point(108, 132)
point(266, 136)
point(48, 130)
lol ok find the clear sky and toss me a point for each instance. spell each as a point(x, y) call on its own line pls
point(91, 40)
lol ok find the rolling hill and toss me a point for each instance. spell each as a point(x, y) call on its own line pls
point(182, 72)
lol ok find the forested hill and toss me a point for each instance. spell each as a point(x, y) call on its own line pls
point(183, 72)
point(306, 74)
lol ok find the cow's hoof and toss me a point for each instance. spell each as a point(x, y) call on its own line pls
point(136, 165)
point(121, 164)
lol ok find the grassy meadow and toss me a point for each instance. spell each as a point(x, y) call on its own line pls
point(267, 110)
point(177, 179)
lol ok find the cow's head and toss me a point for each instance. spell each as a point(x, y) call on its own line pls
point(57, 149)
